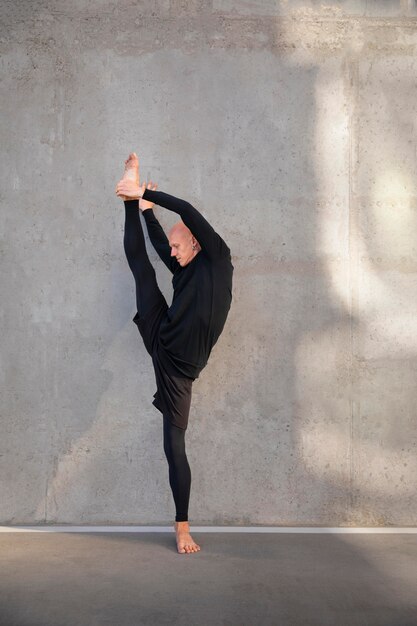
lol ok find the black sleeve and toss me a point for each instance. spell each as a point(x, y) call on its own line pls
point(209, 240)
point(159, 240)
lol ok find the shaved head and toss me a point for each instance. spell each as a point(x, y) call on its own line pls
point(184, 246)
point(180, 229)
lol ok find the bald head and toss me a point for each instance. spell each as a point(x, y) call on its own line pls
point(181, 230)
point(184, 246)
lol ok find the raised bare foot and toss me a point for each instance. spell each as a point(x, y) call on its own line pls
point(131, 168)
point(131, 171)
point(185, 543)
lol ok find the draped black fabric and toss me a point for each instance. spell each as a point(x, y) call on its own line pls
point(202, 289)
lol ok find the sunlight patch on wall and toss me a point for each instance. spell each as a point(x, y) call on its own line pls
point(394, 219)
point(331, 161)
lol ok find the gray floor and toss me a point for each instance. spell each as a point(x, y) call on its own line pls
point(122, 579)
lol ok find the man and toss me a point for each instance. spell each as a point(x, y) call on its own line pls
point(179, 338)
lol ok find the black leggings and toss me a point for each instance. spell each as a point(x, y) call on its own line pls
point(148, 295)
point(179, 469)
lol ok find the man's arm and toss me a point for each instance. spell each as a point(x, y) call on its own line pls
point(159, 240)
point(209, 240)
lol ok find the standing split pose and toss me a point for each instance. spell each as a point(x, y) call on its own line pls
point(179, 338)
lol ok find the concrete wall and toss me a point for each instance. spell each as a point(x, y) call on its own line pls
point(292, 127)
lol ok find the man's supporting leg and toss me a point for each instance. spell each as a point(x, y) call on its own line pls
point(179, 468)
point(148, 293)
point(180, 481)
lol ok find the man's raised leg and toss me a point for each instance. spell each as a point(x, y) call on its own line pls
point(148, 293)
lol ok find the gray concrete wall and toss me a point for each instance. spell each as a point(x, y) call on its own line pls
point(292, 127)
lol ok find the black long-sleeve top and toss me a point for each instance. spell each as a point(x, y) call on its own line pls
point(202, 288)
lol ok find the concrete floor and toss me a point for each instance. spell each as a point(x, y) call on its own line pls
point(121, 579)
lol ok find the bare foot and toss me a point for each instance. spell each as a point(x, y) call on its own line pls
point(185, 543)
point(131, 168)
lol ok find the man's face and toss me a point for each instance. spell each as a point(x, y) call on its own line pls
point(181, 242)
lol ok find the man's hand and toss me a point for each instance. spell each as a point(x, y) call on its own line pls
point(145, 204)
point(130, 189)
